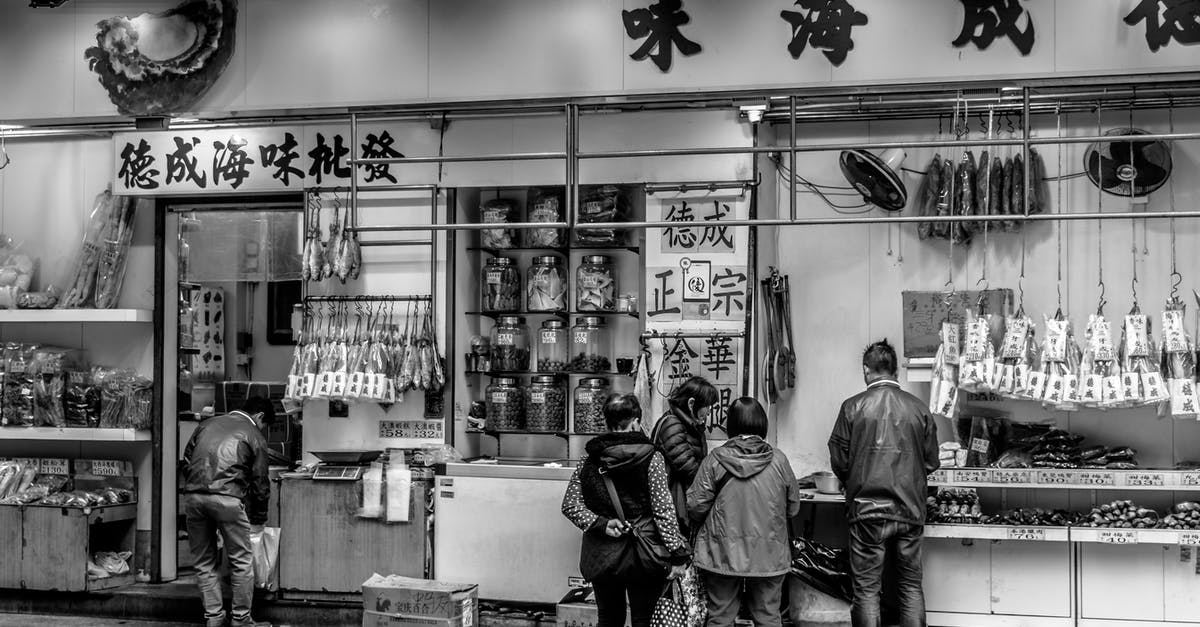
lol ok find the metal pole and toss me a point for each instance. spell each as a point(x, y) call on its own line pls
point(1025, 154)
point(511, 156)
point(374, 298)
point(792, 160)
point(573, 168)
point(889, 219)
point(692, 334)
point(683, 188)
point(353, 170)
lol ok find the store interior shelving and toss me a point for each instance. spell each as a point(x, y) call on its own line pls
point(85, 316)
point(82, 434)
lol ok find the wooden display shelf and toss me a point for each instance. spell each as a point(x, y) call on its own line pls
point(75, 315)
point(80, 434)
point(1069, 479)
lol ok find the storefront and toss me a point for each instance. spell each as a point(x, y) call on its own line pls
point(449, 254)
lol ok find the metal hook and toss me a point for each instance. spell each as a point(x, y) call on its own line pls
point(4, 158)
point(1176, 280)
point(1103, 301)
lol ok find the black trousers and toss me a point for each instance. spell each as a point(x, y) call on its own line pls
point(611, 592)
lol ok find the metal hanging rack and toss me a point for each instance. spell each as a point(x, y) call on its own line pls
point(367, 298)
point(679, 335)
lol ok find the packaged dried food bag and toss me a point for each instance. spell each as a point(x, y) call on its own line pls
point(1099, 363)
point(1060, 365)
point(943, 389)
point(978, 365)
point(1016, 354)
point(499, 211)
point(98, 269)
point(17, 409)
point(1141, 381)
point(1178, 363)
point(606, 203)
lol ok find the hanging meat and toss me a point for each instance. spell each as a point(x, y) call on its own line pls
point(333, 246)
point(1037, 183)
point(927, 196)
point(983, 198)
point(342, 260)
point(945, 199)
point(995, 180)
point(966, 194)
point(313, 268)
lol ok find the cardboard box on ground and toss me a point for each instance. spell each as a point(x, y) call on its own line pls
point(396, 601)
point(578, 609)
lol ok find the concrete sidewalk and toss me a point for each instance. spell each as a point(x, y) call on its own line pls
point(31, 620)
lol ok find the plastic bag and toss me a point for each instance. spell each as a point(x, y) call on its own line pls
point(545, 207)
point(603, 204)
point(264, 548)
point(99, 266)
point(499, 211)
point(824, 568)
point(107, 564)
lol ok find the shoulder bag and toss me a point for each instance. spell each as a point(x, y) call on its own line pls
point(647, 554)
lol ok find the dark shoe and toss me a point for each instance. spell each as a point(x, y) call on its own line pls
point(249, 622)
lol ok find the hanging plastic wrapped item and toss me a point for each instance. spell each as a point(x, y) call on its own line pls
point(1060, 365)
point(1141, 381)
point(1016, 355)
point(1099, 365)
point(943, 389)
point(1178, 363)
point(499, 211)
point(978, 366)
point(606, 203)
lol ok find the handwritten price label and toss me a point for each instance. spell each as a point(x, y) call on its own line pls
point(1026, 533)
point(106, 468)
point(1145, 479)
point(53, 467)
point(1190, 479)
point(1011, 476)
point(972, 476)
point(411, 429)
point(1189, 538)
point(1097, 478)
point(1124, 536)
point(1055, 477)
point(939, 476)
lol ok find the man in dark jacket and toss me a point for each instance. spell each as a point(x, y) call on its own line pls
point(226, 491)
point(883, 447)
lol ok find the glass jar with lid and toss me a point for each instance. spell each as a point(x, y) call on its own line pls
point(505, 405)
point(546, 404)
point(510, 344)
point(552, 346)
point(501, 285)
point(590, 345)
point(546, 284)
point(595, 284)
point(590, 396)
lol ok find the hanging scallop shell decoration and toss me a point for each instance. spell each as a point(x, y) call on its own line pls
point(162, 63)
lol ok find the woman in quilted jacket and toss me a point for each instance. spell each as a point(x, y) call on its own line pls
point(639, 479)
point(681, 435)
point(743, 497)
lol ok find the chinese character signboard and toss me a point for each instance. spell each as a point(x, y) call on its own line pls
point(260, 159)
point(697, 284)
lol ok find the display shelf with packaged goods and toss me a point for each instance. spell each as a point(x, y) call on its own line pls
point(1068, 479)
point(79, 316)
point(72, 434)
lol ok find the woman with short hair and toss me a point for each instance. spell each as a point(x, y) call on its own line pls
point(627, 458)
point(743, 497)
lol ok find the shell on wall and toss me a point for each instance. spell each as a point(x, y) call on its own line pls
point(162, 63)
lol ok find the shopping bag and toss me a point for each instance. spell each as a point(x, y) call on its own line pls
point(693, 597)
point(669, 611)
point(265, 552)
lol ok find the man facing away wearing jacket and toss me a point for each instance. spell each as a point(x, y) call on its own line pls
point(227, 490)
point(883, 447)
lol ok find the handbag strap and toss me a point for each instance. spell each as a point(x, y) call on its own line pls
point(612, 496)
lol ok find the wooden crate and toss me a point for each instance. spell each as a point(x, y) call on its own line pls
point(10, 546)
point(326, 551)
point(59, 540)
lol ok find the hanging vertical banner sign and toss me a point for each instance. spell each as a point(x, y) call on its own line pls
point(263, 159)
point(697, 283)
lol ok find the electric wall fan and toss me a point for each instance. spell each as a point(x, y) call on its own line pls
point(876, 177)
point(1127, 166)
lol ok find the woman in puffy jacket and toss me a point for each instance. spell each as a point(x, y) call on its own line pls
point(680, 433)
point(744, 495)
point(639, 476)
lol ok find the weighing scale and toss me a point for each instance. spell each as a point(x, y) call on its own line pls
point(342, 465)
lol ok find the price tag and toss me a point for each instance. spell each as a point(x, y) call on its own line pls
point(972, 476)
point(581, 337)
point(1096, 478)
point(309, 386)
point(1012, 476)
point(1189, 538)
point(583, 398)
point(412, 429)
point(354, 389)
point(939, 476)
point(1026, 533)
point(53, 466)
point(1055, 477)
point(389, 390)
point(1145, 479)
point(506, 339)
point(549, 337)
point(499, 398)
point(980, 445)
point(324, 385)
point(537, 397)
point(29, 462)
point(106, 468)
point(1190, 479)
point(494, 277)
point(1118, 536)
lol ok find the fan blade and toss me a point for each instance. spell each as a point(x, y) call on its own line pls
point(1108, 170)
